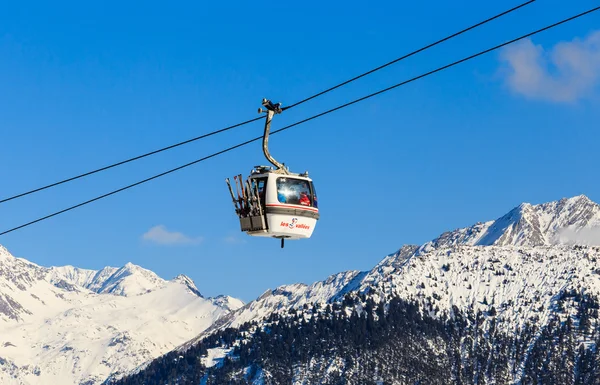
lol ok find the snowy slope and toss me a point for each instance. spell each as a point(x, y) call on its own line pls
point(65, 325)
point(127, 281)
point(283, 298)
point(520, 283)
point(72, 326)
point(528, 225)
point(516, 264)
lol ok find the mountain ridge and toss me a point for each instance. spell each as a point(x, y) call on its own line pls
point(525, 227)
point(500, 294)
point(509, 273)
point(70, 325)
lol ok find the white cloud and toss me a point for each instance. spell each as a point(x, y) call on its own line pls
point(568, 72)
point(233, 240)
point(161, 235)
point(586, 236)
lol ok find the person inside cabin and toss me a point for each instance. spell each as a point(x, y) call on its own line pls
point(281, 197)
point(304, 199)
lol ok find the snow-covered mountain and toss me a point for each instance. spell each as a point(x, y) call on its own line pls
point(512, 280)
point(517, 277)
point(522, 273)
point(516, 301)
point(66, 325)
point(565, 221)
point(522, 254)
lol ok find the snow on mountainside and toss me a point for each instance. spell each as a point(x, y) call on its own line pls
point(65, 325)
point(129, 280)
point(80, 277)
point(283, 298)
point(227, 302)
point(520, 261)
point(504, 293)
point(528, 225)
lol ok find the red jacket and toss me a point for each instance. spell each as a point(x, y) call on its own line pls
point(304, 200)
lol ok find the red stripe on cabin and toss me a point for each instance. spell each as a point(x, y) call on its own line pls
point(297, 207)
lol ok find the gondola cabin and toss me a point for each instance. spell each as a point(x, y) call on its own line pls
point(274, 202)
point(289, 205)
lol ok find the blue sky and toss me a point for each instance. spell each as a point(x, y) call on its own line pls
point(83, 85)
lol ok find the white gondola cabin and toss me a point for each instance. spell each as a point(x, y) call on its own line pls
point(274, 202)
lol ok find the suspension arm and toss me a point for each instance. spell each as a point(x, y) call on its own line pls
point(271, 110)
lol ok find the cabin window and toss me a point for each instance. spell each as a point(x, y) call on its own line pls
point(294, 191)
point(260, 185)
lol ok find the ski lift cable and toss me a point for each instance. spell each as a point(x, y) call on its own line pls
point(129, 160)
point(172, 146)
point(411, 54)
point(308, 119)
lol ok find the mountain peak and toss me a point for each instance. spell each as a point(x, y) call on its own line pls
point(529, 225)
point(187, 281)
point(579, 199)
point(132, 268)
point(4, 253)
point(88, 333)
point(227, 302)
point(131, 280)
point(182, 278)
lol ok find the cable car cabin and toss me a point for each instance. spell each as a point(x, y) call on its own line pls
point(278, 205)
point(273, 202)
